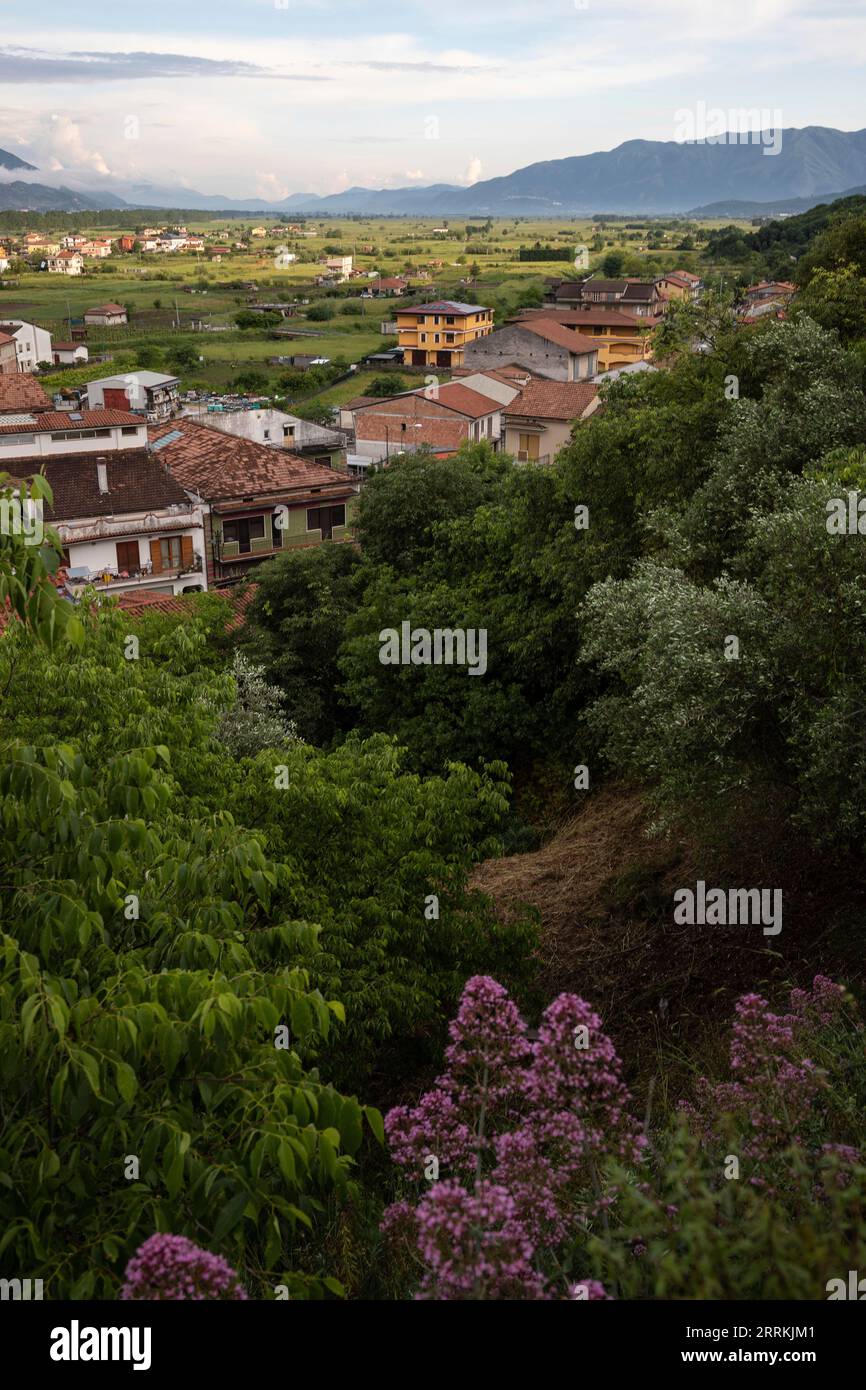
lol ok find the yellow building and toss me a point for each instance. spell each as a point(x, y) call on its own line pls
point(622, 339)
point(434, 335)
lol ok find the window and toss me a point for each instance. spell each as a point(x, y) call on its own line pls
point(170, 548)
point(130, 429)
point(449, 318)
point(244, 530)
point(436, 337)
point(324, 519)
point(127, 557)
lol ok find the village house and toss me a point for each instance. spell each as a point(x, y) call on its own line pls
point(276, 429)
point(97, 250)
point(437, 418)
point(152, 393)
point(73, 242)
point(258, 231)
point(682, 285)
point(389, 287)
point(439, 334)
point(126, 243)
point(125, 525)
point(66, 263)
point(540, 346)
point(105, 316)
point(257, 500)
point(643, 298)
point(69, 354)
point(8, 355)
point(767, 291)
point(539, 420)
point(38, 244)
point(621, 338)
point(36, 434)
point(339, 266)
point(33, 344)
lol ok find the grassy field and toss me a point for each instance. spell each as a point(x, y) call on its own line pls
point(184, 300)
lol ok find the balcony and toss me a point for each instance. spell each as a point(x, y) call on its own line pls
point(107, 577)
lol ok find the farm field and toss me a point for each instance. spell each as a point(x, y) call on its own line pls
point(182, 306)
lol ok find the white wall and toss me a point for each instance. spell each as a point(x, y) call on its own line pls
point(41, 445)
point(33, 344)
point(103, 552)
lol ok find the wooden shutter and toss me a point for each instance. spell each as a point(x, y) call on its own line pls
point(156, 557)
point(186, 556)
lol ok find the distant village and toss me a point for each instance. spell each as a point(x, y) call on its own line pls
point(158, 493)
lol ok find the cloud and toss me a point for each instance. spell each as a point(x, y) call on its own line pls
point(65, 148)
point(270, 187)
point(414, 175)
point(34, 65)
point(473, 172)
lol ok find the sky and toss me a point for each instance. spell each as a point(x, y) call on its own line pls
point(270, 97)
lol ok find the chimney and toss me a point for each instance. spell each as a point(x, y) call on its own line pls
point(102, 474)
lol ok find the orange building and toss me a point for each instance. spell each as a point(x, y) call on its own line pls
point(434, 335)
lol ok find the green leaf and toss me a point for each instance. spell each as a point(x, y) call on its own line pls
point(127, 1083)
point(375, 1121)
point(230, 1216)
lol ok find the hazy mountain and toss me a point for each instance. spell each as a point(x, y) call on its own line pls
point(731, 207)
point(640, 176)
point(18, 196)
point(11, 161)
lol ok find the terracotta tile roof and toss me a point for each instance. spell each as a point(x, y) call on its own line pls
point(552, 332)
point(606, 318)
point(455, 396)
point(554, 400)
point(106, 309)
point(138, 601)
point(48, 420)
point(218, 465)
point(6, 338)
point(21, 392)
point(358, 401)
point(65, 347)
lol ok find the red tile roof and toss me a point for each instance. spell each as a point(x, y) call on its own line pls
point(553, 332)
point(606, 318)
point(139, 601)
point(455, 396)
point(20, 393)
point(554, 400)
point(106, 309)
point(218, 465)
point(6, 338)
point(48, 420)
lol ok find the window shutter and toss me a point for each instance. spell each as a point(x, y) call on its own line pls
point(156, 557)
point(185, 551)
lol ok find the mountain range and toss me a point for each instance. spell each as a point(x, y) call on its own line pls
point(640, 176)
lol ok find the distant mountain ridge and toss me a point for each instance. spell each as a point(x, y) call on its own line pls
point(812, 165)
point(11, 161)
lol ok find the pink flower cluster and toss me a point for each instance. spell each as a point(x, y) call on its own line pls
point(522, 1130)
point(172, 1269)
point(776, 1082)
